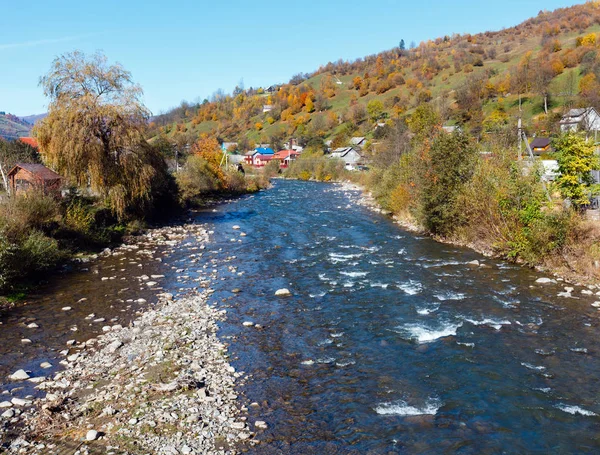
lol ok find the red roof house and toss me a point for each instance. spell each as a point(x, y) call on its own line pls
point(31, 141)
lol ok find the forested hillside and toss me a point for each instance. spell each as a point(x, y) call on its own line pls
point(542, 67)
point(12, 127)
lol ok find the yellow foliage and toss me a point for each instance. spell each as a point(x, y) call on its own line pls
point(258, 126)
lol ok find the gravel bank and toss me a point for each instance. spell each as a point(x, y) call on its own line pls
point(163, 385)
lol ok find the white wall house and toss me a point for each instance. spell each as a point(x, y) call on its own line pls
point(582, 119)
point(349, 155)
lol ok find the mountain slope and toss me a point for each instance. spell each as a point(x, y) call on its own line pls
point(483, 82)
point(12, 127)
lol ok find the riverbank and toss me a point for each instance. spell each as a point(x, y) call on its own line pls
point(162, 385)
point(559, 266)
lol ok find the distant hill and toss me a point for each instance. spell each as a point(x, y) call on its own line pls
point(12, 127)
point(536, 70)
point(33, 119)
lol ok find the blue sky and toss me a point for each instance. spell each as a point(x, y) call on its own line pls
point(188, 49)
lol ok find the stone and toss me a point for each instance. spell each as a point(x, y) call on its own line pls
point(475, 262)
point(33, 325)
point(19, 375)
point(5, 404)
point(260, 424)
point(20, 402)
point(133, 421)
point(248, 324)
point(151, 283)
point(236, 291)
point(66, 308)
point(545, 280)
point(91, 435)
point(26, 341)
point(8, 414)
point(283, 292)
point(114, 346)
point(236, 227)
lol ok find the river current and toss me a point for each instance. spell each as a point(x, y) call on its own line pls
point(390, 343)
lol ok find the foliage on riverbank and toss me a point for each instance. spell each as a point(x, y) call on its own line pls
point(38, 232)
point(314, 165)
point(443, 183)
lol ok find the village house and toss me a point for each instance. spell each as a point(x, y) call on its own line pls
point(582, 119)
point(31, 141)
point(259, 157)
point(267, 108)
point(358, 142)
point(26, 177)
point(541, 145)
point(285, 157)
point(352, 159)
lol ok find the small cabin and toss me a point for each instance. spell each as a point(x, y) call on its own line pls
point(541, 145)
point(25, 177)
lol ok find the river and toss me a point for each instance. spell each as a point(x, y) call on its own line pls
point(391, 342)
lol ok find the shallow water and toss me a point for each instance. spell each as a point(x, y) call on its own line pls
point(391, 342)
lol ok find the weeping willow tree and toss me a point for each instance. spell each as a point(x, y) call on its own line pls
point(94, 133)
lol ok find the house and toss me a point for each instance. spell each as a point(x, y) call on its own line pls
point(349, 155)
point(549, 170)
point(261, 160)
point(226, 146)
point(358, 141)
point(249, 157)
point(541, 145)
point(267, 108)
point(285, 157)
point(30, 141)
point(452, 129)
point(265, 150)
point(582, 119)
point(26, 177)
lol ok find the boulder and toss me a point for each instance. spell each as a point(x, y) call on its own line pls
point(19, 375)
point(545, 280)
point(91, 435)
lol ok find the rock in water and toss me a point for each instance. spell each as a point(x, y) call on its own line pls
point(19, 375)
point(545, 280)
point(475, 262)
point(91, 435)
point(283, 292)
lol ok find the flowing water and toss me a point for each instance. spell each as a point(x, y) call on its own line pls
point(391, 342)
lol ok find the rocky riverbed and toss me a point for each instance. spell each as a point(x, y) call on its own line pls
point(161, 385)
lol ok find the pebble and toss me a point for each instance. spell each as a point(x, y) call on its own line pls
point(248, 324)
point(66, 308)
point(19, 375)
point(545, 280)
point(33, 325)
point(5, 404)
point(8, 414)
point(20, 402)
point(236, 227)
point(283, 292)
point(91, 435)
point(260, 424)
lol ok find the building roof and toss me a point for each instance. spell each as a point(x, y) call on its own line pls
point(251, 153)
point(39, 170)
point(31, 141)
point(226, 145)
point(265, 157)
point(576, 115)
point(283, 154)
point(540, 143)
point(265, 151)
point(342, 151)
point(357, 140)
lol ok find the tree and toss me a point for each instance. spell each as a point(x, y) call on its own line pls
point(375, 110)
point(575, 161)
point(452, 164)
point(94, 133)
point(402, 45)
